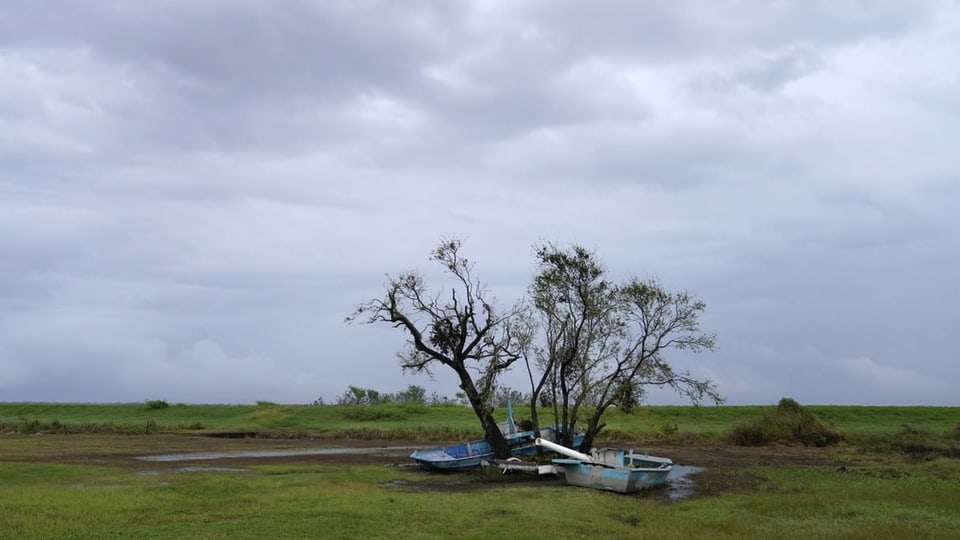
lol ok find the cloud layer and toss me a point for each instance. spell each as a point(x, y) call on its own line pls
point(194, 195)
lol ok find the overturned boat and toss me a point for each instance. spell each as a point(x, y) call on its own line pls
point(475, 453)
point(610, 469)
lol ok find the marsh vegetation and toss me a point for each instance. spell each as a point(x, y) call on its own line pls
point(68, 476)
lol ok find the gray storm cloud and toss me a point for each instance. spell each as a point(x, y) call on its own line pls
point(194, 195)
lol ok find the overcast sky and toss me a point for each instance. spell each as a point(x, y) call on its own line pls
point(194, 194)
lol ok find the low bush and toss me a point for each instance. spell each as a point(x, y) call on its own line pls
point(156, 404)
point(414, 408)
point(614, 435)
point(667, 430)
point(912, 440)
point(918, 442)
point(788, 422)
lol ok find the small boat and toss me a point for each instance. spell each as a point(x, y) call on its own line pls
point(610, 469)
point(474, 453)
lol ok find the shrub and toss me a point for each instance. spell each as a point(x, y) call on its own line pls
point(615, 435)
point(155, 404)
point(667, 430)
point(414, 408)
point(33, 426)
point(789, 406)
point(918, 441)
point(787, 423)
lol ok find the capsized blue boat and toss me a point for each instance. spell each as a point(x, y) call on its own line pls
point(474, 453)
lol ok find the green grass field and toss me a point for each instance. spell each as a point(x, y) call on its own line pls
point(869, 488)
point(74, 501)
point(394, 421)
point(388, 421)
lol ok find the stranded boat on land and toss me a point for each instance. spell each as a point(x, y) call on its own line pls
point(474, 453)
point(610, 469)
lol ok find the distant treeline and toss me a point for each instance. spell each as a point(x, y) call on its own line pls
point(356, 395)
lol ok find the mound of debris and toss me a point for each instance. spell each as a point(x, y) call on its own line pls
point(788, 423)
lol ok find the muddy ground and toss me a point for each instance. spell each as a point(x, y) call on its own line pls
point(161, 452)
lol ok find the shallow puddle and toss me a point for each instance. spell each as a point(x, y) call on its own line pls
point(248, 454)
point(193, 470)
point(679, 484)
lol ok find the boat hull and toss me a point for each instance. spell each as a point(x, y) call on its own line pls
point(619, 472)
point(457, 456)
point(474, 453)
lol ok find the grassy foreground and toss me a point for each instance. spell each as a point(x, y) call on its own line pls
point(898, 500)
point(860, 490)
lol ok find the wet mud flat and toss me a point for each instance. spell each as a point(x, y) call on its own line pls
point(699, 471)
point(383, 452)
point(681, 484)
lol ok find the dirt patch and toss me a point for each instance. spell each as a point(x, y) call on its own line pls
point(416, 479)
point(123, 451)
point(724, 467)
point(721, 464)
point(713, 456)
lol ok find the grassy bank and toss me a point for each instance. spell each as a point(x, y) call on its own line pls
point(388, 421)
point(394, 421)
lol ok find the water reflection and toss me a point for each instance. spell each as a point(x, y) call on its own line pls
point(193, 470)
point(679, 484)
point(247, 454)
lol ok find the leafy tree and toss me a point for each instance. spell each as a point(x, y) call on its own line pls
point(505, 394)
point(603, 342)
point(354, 395)
point(459, 329)
point(413, 394)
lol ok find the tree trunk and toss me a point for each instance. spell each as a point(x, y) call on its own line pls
point(495, 437)
point(535, 420)
point(491, 431)
point(593, 428)
point(534, 417)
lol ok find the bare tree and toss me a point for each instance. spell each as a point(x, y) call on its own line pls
point(458, 328)
point(603, 343)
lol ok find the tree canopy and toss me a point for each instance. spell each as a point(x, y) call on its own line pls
point(602, 343)
point(460, 329)
point(587, 342)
